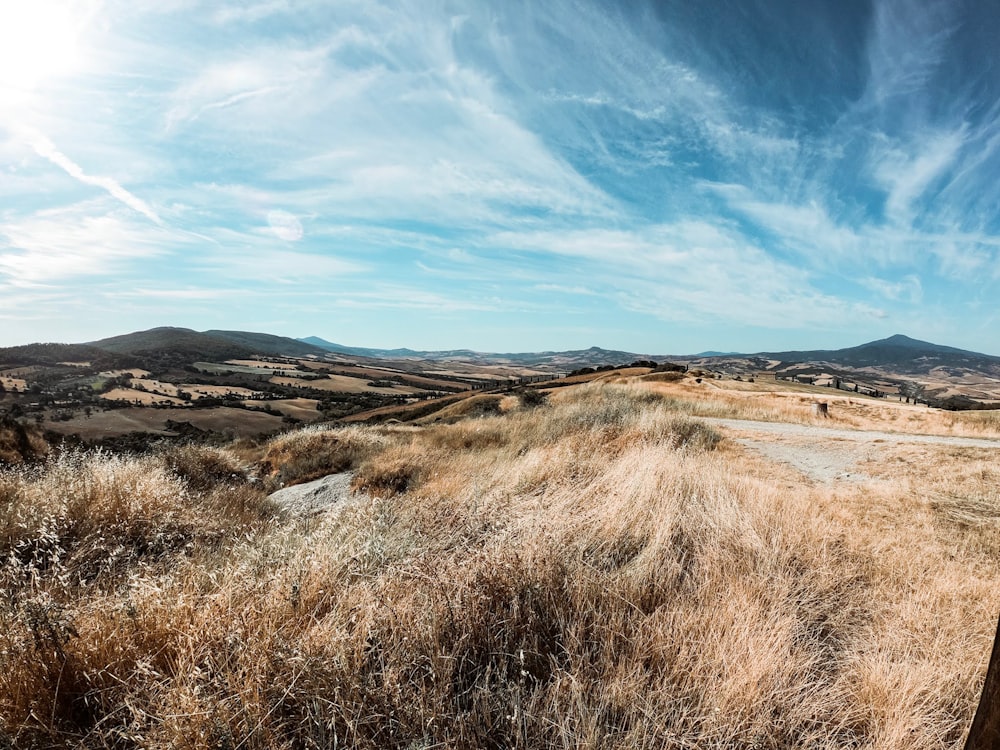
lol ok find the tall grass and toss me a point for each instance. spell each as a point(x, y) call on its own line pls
point(600, 571)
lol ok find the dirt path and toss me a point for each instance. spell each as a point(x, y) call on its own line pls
point(829, 455)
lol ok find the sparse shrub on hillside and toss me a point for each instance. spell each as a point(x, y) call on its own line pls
point(20, 443)
point(314, 452)
point(391, 473)
point(532, 397)
point(670, 367)
point(664, 377)
point(204, 468)
point(587, 575)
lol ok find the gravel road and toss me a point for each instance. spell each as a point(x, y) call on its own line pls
point(828, 455)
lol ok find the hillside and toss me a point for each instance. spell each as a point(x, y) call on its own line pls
point(20, 443)
point(897, 354)
point(627, 563)
point(176, 343)
point(55, 354)
point(561, 360)
point(268, 344)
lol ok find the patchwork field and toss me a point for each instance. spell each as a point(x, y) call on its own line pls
point(10, 383)
point(142, 398)
point(263, 364)
point(304, 409)
point(134, 372)
point(342, 384)
point(226, 420)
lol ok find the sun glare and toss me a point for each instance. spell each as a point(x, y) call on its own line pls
point(39, 39)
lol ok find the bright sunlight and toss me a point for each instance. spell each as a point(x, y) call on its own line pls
point(38, 40)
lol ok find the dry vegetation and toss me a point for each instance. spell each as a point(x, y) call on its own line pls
point(597, 571)
point(786, 402)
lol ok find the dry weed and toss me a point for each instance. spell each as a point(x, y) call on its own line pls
point(590, 574)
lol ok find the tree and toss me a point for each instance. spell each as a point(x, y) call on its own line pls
point(912, 390)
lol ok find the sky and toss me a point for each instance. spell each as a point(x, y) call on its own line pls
point(661, 177)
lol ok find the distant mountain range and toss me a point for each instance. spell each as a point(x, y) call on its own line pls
point(899, 353)
point(897, 356)
point(162, 346)
point(592, 356)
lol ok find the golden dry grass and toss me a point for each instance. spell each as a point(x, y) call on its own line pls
point(200, 390)
point(305, 409)
point(14, 384)
point(777, 402)
point(145, 398)
point(597, 572)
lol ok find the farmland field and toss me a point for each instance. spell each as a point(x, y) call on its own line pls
point(343, 384)
point(102, 424)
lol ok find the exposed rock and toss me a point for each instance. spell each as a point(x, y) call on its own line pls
point(316, 496)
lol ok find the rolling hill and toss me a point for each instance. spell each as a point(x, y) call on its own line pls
point(266, 343)
point(54, 354)
point(186, 344)
point(571, 359)
point(179, 342)
point(898, 353)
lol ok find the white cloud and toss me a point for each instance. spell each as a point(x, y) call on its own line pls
point(693, 271)
point(226, 85)
point(400, 297)
point(254, 261)
point(47, 150)
point(907, 42)
point(60, 244)
point(284, 225)
point(908, 289)
point(908, 173)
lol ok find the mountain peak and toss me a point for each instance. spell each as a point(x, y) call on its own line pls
point(898, 339)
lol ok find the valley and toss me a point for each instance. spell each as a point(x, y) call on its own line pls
point(179, 384)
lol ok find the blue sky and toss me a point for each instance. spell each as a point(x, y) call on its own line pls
point(507, 176)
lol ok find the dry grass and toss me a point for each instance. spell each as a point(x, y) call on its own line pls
point(314, 452)
point(145, 398)
point(596, 572)
point(778, 402)
point(14, 384)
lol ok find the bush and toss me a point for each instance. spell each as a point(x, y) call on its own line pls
point(204, 468)
point(532, 397)
point(311, 453)
point(387, 475)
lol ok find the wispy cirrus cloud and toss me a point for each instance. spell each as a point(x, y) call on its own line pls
point(53, 245)
point(47, 150)
point(651, 170)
